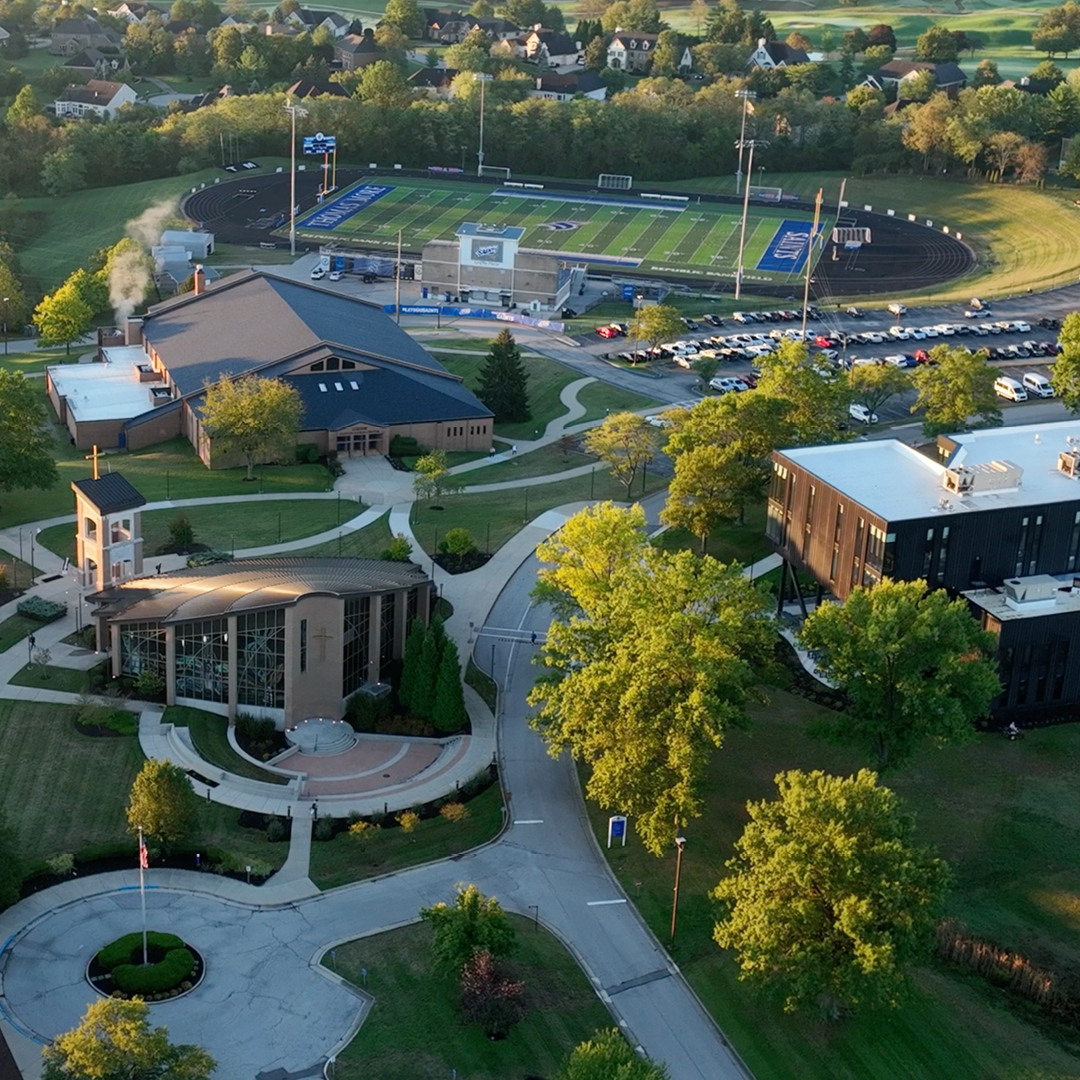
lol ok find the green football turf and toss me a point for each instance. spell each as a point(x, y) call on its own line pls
point(693, 238)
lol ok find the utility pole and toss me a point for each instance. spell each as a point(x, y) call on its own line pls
point(747, 97)
point(751, 143)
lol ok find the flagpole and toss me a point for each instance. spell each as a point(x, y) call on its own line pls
point(142, 894)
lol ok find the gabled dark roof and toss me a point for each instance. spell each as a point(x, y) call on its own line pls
point(556, 42)
point(785, 54)
point(305, 89)
point(110, 494)
point(356, 43)
point(494, 25)
point(574, 83)
point(947, 74)
point(95, 92)
point(88, 59)
point(433, 77)
point(634, 41)
point(253, 319)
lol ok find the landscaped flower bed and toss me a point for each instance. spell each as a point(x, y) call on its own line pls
point(34, 607)
point(173, 969)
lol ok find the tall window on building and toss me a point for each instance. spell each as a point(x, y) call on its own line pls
point(357, 634)
point(1035, 544)
point(202, 660)
point(856, 562)
point(838, 527)
point(942, 556)
point(142, 648)
point(387, 626)
point(260, 658)
point(1074, 542)
point(928, 554)
point(1021, 545)
point(412, 608)
point(774, 526)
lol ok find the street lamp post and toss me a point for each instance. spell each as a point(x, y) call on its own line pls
point(680, 843)
point(483, 78)
point(7, 300)
point(293, 111)
point(751, 143)
point(747, 97)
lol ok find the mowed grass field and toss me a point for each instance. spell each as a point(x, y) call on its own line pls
point(1021, 235)
point(631, 231)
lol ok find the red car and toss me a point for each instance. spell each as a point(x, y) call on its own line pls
point(824, 341)
point(607, 331)
point(922, 357)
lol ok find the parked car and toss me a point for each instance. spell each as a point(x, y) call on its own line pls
point(607, 331)
point(712, 320)
point(727, 384)
point(923, 357)
point(979, 331)
point(871, 337)
point(568, 313)
point(657, 421)
point(855, 313)
point(1037, 385)
point(318, 273)
point(900, 360)
point(930, 331)
point(897, 310)
point(945, 329)
point(691, 325)
point(898, 333)
point(861, 413)
point(1048, 323)
point(742, 317)
point(1009, 388)
point(1021, 327)
point(979, 305)
point(976, 313)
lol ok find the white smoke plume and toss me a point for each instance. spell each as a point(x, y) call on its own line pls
point(131, 268)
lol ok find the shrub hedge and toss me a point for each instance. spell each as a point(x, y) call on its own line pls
point(126, 949)
point(167, 974)
point(34, 607)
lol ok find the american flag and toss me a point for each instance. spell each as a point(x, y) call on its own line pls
point(144, 859)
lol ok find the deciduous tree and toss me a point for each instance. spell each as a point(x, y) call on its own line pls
point(490, 997)
point(658, 661)
point(916, 667)
point(384, 85)
point(876, 384)
point(817, 402)
point(608, 1055)
point(829, 901)
point(114, 1040)
point(1065, 370)
point(626, 443)
point(162, 803)
point(432, 477)
point(504, 382)
point(254, 417)
point(474, 922)
point(937, 45)
point(956, 390)
point(657, 323)
point(62, 317)
point(406, 16)
point(26, 446)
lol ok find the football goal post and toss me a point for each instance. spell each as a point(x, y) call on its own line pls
point(766, 194)
point(850, 236)
point(614, 181)
point(497, 171)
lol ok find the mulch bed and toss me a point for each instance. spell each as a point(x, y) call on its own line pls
point(97, 731)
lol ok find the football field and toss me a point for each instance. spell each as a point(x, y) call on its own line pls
point(635, 232)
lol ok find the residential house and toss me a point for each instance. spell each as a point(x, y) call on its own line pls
point(775, 54)
point(137, 11)
point(310, 20)
point(304, 88)
point(631, 50)
point(555, 87)
point(496, 28)
point(355, 51)
point(551, 48)
point(891, 77)
point(445, 25)
point(71, 36)
point(97, 63)
point(434, 82)
point(96, 98)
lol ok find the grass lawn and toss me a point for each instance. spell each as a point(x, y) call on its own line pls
point(1002, 814)
point(366, 543)
point(601, 398)
point(209, 733)
point(169, 470)
point(219, 828)
point(51, 677)
point(494, 516)
point(542, 462)
point(62, 791)
point(341, 860)
point(480, 345)
point(223, 529)
point(414, 1031)
point(1019, 233)
point(16, 627)
point(546, 381)
point(744, 543)
point(36, 360)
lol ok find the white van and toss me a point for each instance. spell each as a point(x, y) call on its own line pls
point(1009, 389)
point(1037, 385)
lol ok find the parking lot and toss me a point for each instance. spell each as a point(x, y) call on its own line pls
point(842, 340)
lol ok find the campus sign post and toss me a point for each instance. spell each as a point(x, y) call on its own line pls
point(325, 145)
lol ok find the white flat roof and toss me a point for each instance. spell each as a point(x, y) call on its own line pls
point(898, 483)
point(109, 391)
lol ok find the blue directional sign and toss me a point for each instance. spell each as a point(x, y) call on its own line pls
point(320, 143)
point(616, 829)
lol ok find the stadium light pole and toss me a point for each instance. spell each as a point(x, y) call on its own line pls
point(751, 143)
point(747, 96)
point(293, 111)
point(483, 78)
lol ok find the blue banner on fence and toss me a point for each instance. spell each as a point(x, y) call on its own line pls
point(331, 215)
point(453, 311)
point(786, 252)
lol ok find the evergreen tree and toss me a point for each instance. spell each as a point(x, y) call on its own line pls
point(448, 713)
point(414, 648)
point(422, 692)
point(503, 381)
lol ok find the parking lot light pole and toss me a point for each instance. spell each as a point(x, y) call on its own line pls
point(751, 143)
point(680, 843)
point(747, 97)
point(7, 300)
point(483, 78)
point(293, 111)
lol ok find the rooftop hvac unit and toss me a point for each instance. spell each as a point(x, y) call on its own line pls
point(982, 477)
point(1069, 463)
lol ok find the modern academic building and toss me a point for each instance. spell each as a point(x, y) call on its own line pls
point(361, 378)
point(281, 638)
point(996, 519)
